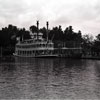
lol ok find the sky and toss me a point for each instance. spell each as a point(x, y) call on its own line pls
point(83, 15)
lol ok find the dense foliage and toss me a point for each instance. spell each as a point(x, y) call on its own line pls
point(67, 37)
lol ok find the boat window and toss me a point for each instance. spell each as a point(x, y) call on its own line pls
point(33, 51)
point(43, 45)
point(23, 52)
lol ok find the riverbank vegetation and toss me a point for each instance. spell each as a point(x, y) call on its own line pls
point(67, 38)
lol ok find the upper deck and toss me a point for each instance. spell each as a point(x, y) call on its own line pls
point(35, 44)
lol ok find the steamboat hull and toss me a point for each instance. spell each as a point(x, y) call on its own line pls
point(36, 56)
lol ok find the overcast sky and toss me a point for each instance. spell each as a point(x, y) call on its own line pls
point(83, 15)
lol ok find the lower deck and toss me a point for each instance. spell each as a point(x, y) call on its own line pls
point(76, 52)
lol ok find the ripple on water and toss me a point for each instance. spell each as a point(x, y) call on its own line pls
point(50, 79)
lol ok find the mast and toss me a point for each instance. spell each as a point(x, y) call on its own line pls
point(47, 24)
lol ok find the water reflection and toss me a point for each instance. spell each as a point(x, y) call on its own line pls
point(38, 78)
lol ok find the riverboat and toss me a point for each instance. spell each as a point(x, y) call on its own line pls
point(35, 47)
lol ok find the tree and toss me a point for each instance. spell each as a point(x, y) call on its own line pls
point(44, 31)
point(57, 33)
point(87, 44)
point(98, 37)
point(96, 46)
point(33, 29)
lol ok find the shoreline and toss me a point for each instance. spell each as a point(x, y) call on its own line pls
point(10, 57)
point(91, 57)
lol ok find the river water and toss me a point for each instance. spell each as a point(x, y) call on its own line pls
point(57, 78)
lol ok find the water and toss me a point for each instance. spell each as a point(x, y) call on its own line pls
point(50, 79)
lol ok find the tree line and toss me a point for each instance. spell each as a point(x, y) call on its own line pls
point(67, 37)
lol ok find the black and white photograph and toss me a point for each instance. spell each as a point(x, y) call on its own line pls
point(49, 49)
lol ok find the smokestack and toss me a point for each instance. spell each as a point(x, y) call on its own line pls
point(47, 29)
point(47, 25)
point(37, 25)
point(37, 29)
